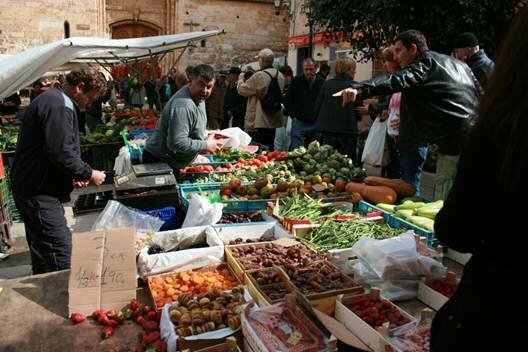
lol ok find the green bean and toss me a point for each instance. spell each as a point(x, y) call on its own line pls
point(339, 235)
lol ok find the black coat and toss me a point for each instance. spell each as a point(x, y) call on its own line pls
point(439, 95)
point(300, 98)
point(48, 154)
point(482, 66)
point(486, 313)
point(331, 116)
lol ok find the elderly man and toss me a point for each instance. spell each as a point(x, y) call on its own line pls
point(48, 166)
point(439, 94)
point(265, 122)
point(466, 48)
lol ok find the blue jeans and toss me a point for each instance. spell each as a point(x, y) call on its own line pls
point(411, 163)
point(302, 133)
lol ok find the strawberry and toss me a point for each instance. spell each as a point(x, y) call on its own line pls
point(150, 325)
point(106, 332)
point(151, 337)
point(77, 318)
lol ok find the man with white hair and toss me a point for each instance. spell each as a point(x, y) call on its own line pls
point(264, 121)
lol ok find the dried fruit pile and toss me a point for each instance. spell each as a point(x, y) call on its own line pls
point(269, 254)
point(168, 287)
point(319, 277)
point(213, 310)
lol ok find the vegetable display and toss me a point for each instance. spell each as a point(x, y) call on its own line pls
point(8, 137)
point(416, 212)
point(307, 208)
point(339, 235)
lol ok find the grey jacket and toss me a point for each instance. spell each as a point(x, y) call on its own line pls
point(180, 132)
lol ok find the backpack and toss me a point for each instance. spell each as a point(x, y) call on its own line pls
point(271, 101)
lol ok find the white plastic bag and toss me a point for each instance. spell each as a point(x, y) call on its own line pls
point(184, 258)
point(116, 215)
point(123, 164)
point(236, 137)
point(375, 143)
point(202, 212)
point(394, 265)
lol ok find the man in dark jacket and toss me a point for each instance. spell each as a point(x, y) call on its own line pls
point(234, 103)
point(439, 94)
point(466, 48)
point(48, 166)
point(300, 102)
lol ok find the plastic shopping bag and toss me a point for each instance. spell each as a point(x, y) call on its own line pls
point(116, 215)
point(202, 212)
point(123, 164)
point(375, 143)
point(236, 137)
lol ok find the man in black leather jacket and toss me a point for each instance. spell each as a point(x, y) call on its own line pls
point(439, 94)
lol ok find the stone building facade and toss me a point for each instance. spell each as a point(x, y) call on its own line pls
point(249, 25)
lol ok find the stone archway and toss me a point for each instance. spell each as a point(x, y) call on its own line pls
point(132, 29)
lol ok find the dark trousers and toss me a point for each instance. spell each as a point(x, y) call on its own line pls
point(344, 143)
point(393, 170)
point(47, 234)
point(266, 136)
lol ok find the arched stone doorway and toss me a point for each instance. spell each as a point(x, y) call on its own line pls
point(131, 29)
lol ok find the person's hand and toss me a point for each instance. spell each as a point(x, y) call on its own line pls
point(395, 124)
point(349, 95)
point(80, 183)
point(361, 110)
point(212, 143)
point(384, 115)
point(241, 76)
point(97, 177)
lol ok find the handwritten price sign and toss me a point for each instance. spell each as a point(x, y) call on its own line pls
point(103, 274)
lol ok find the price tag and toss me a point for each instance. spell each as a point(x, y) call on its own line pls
point(159, 181)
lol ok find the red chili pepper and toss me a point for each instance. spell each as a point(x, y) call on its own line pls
point(106, 332)
point(77, 318)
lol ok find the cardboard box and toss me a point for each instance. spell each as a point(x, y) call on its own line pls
point(103, 270)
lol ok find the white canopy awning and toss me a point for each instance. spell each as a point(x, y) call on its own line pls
point(19, 70)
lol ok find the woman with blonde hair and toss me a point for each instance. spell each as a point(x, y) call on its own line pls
point(338, 125)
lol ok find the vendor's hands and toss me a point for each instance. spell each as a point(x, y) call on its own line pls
point(395, 124)
point(97, 177)
point(241, 76)
point(212, 143)
point(349, 95)
point(80, 183)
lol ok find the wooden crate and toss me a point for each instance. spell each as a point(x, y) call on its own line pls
point(374, 339)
